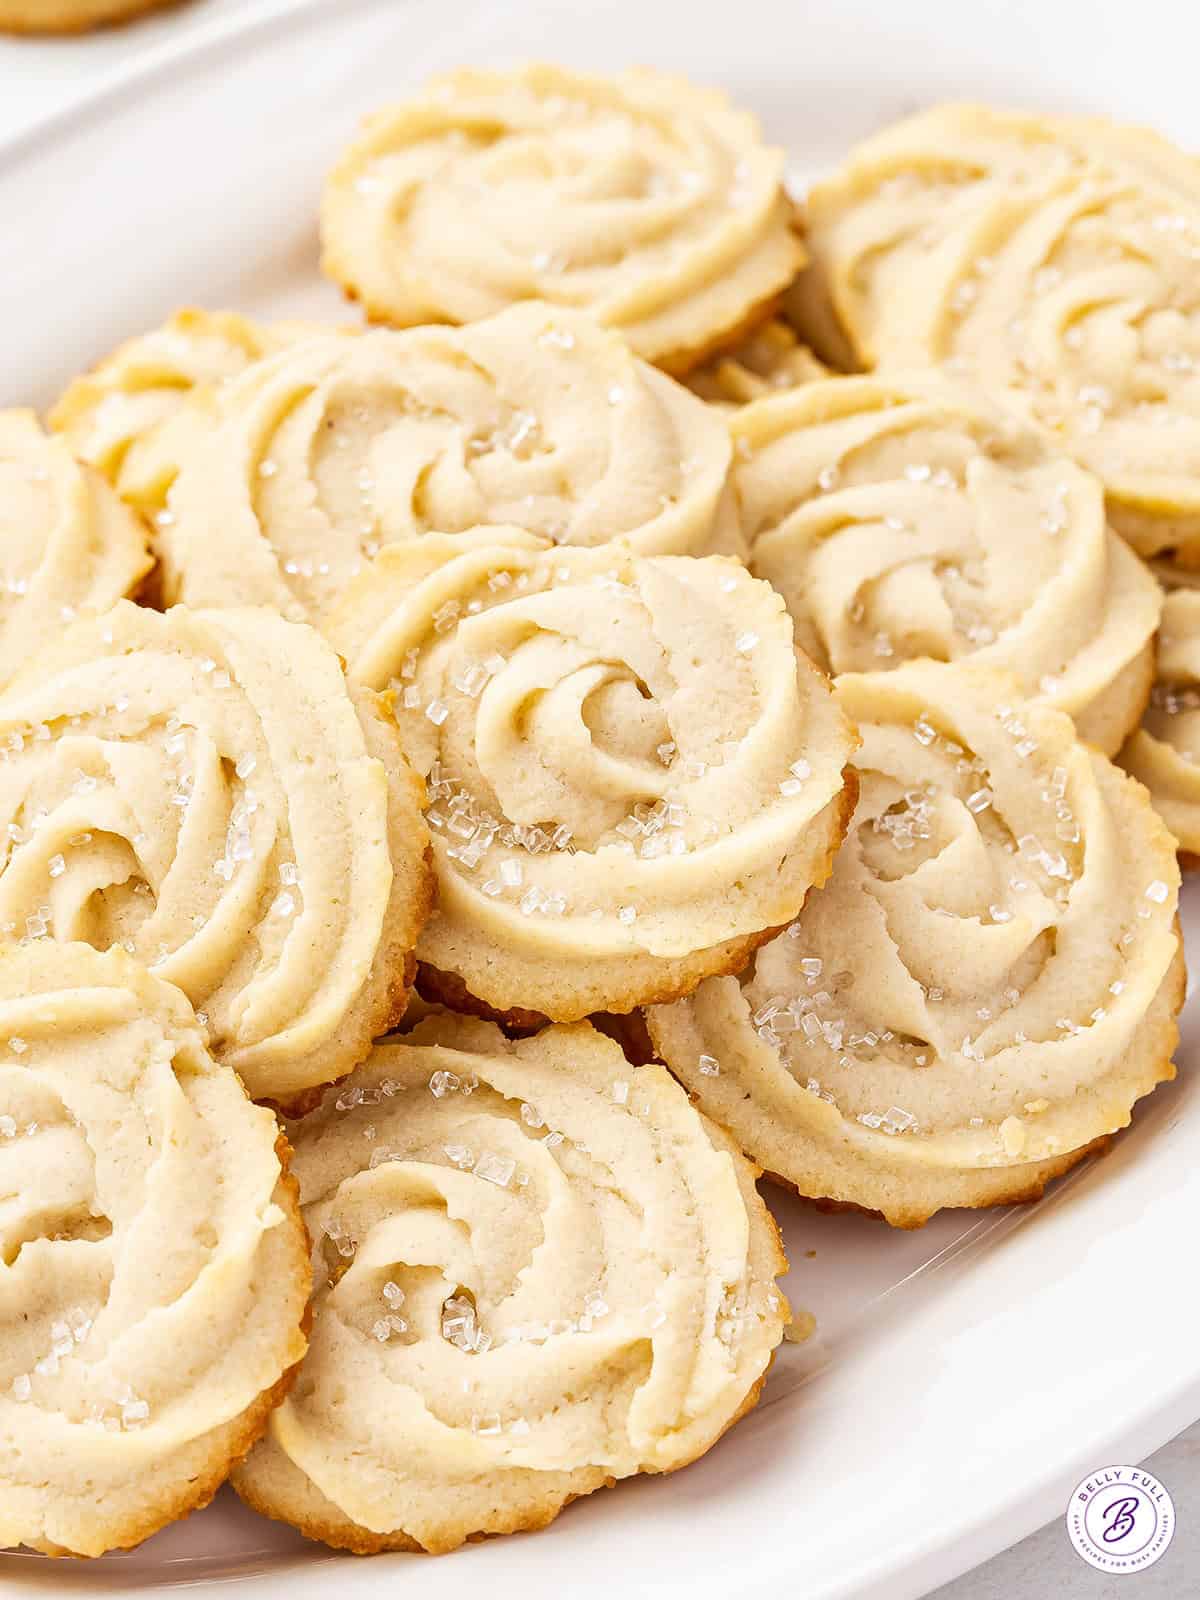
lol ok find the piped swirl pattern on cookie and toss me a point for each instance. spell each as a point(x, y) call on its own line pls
point(136, 415)
point(67, 544)
point(984, 987)
point(153, 1270)
point(905, 515)
point(767, 360)
point(1053, 261)
point(632, 772)
point(1164, 753)
point(647, 201)
point(538, 1269)
point(343, 445)
point(204, 790)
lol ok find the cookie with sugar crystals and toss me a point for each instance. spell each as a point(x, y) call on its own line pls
point(984, 988)
point(633, 775)
point(647, 201)
point(67, 544)
point(1053, 261)
point(345, 444)
point(135, 415)
point(155, 1268)
point(905, 515)
point(537, 1270)
point(204, 789)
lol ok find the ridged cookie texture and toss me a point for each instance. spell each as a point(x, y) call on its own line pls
point(205, 790)
point(982, 990)
point(153, 1266)
point(1053, 261)
point(1164, 753)
point(633, 774)
point(647, 201)
point(67, 544)
point(135, 416)
point(538, 1270)
point(345, 444)
point(768, 359)
point(906, 515)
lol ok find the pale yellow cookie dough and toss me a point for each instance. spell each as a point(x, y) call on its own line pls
point(204, 789)
point(633, 775)
point(649, 202)
point(67, 545)
point(343, 445)
point(982, 990)
point(538, 1270)
point(1164, 753)
point(1053, 261)
point(767, 360)
point(906, 515)
point(136, 414)
point(153, 1265)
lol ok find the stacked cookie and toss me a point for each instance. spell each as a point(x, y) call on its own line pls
point(472, 801)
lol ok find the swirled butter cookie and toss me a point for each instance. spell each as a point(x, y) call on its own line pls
point(1164, 753)
point(71, 16)
point(1051, 259)
point(538, 1270)
point(67, 544)
point(904, 516)
point(767, 360)
point(633, 774)
point(203, 789)
point(644, 200)
point(343, 445)
point(153, 1265)
point(985, 986)
point(134, 416)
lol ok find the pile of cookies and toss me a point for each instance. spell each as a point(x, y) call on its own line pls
point(479, 789)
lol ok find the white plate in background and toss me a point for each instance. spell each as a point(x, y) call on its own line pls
point(963, 1377)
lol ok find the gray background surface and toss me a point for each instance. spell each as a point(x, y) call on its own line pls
point(1045, 1565)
